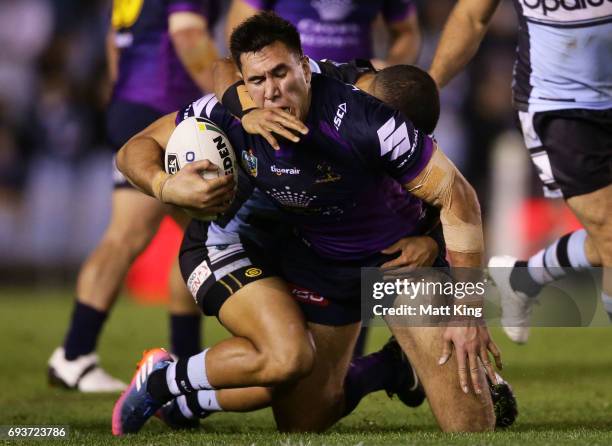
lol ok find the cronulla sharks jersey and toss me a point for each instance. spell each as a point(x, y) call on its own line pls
point(564, 56)
point(341, 185)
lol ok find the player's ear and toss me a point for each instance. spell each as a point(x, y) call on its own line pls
point(306, 67)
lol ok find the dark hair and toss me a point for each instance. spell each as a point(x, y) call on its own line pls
point(261, 30)
point(411, 91)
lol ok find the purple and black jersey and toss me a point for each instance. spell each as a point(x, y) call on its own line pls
point(150, 72)
point(341, 185)
point(338, 30)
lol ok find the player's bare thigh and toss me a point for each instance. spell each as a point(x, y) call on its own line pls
point(316, 401)
point(271, 343)
point(454, 410)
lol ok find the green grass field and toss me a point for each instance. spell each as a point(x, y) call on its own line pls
point(563, 381)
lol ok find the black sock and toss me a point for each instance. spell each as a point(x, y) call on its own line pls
point(361, 343)
point(185, 335)
point(521, 280)
point(158, 387)
point(85, 326)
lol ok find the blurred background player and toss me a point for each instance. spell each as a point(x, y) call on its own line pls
point(159, 54)
point(563, 98)
point(342, 30)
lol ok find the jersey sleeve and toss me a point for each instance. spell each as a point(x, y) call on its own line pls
point(347, 72)
point(387, 138)
point(397, 10)
point(210, 108)
point(197, 6)
point(260, 4)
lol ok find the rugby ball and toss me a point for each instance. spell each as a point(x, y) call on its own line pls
point(196, 139)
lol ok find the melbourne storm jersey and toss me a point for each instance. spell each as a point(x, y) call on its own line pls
point(564, 56)
point(150, 72)
point(339, 30)
point(341, 185)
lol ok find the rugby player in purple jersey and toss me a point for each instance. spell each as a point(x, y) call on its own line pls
point(342, 30)
point(346, 221)
point(159, 54)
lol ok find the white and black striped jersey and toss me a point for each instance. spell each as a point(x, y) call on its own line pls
point(564, 55)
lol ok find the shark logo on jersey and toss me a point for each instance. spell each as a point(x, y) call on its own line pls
point(249, 162)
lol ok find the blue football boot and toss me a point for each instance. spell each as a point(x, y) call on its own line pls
point(136, 405)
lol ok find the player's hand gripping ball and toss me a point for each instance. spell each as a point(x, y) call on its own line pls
point(196, 139)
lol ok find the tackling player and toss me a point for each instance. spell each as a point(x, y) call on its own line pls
point(272, 344)
point(159, 55)
point(563, 97)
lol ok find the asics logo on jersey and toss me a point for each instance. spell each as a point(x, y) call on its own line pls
point(566, 9)
point(339, 115)
point(395, 140)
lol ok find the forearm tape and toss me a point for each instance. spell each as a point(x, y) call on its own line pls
point(237, 100)
point(436, 186)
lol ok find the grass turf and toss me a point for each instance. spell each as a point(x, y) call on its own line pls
point(563, 380)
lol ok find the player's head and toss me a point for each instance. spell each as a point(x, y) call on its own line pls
point(411, 91)
point(268, 53)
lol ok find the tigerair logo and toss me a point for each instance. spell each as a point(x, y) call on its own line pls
point(283, 171)
point(565, 11)
point(253, 272)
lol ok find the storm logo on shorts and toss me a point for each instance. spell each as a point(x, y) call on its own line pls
point(249, 162)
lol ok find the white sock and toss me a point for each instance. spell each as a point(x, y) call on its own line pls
point(567, 253)
point(196, 372)
point(188, 375)
point(199, 404)
point(207, 399)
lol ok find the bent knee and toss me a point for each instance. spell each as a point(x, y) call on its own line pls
point(290, 363)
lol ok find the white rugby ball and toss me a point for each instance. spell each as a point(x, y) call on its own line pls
point(196, 139)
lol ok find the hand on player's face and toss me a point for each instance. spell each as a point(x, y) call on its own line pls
point(414, 252)
point(187, 189)
point(472, 343)
point(277, 77)
point(265, 121)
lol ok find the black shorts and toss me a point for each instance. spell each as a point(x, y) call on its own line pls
point(329, 291)
point(213, 273)
point(571, 149)
point(123, 120)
